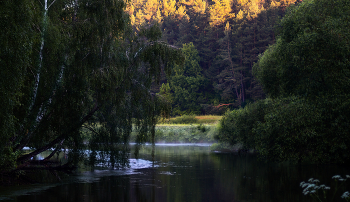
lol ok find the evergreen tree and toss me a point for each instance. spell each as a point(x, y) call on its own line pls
point(190, 88)
point(220, 12)
point(150, 10)
point(169, 8)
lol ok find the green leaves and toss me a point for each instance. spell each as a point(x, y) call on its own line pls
point(306, 76)
point(310, 54)
point(82, 65)
point(189, 86)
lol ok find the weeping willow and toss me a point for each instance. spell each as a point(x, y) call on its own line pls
point(76, 65)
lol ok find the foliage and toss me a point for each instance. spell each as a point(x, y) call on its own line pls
point(310, 57)
point(190, 87)
point(68, 63)
point(297, 129)
point(290, 129)
point(15, 50)
point(228, 37)
point(167, 97)
point(308, 115)
point(225, 147)
point(237, 126)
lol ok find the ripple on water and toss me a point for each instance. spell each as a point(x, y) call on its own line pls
point(167, 173)
point(134, 164)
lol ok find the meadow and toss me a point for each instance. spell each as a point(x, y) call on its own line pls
point(185, 129)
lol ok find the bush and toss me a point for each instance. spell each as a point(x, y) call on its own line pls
point(292, 128)
point(236, 126)
point(225, 147)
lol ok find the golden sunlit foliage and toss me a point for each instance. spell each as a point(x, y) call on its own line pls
point(219, 11)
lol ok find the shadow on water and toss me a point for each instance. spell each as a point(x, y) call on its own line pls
point(184, 173)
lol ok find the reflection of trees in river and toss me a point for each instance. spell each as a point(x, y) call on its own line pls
point(190, 173)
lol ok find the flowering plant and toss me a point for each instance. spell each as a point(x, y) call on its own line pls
point(312, 188)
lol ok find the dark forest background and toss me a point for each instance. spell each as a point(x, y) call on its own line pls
point(221, 40)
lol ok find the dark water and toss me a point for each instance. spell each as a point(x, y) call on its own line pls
point(185, 173)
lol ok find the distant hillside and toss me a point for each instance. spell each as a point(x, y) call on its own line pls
point(228, 35)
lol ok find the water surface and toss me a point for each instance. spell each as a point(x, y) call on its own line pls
point(183, 173)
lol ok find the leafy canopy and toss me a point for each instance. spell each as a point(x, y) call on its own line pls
point(68, 65)
point(306, 76)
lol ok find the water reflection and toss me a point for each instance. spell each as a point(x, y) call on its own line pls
point(188, 173)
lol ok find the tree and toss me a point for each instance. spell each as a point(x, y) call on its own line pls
point(310, 55)
point(16, 49)
point(220, 12)
point(306, 73)
point(188, 84)
point(150, 10)
point(169, 8)
point(80, 64)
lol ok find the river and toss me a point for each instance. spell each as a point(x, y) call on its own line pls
point(182, 173)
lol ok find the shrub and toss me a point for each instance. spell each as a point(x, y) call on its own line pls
point(292, 128)
point(236, 126)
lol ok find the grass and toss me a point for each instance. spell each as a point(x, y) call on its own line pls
point(183, 133)
point(191, 119)
point(208, 119)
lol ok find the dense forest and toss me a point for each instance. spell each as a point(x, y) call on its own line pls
point(221, 40)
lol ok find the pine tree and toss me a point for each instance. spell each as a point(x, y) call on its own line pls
point(190, 88)
point(169, 7)
point(220, 12)
point(150, 9)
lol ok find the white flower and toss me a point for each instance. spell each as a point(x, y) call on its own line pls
point(346, 195)
point(316, 181)
point(347, 176)
point(327, 188)
point(322, 186)
point(302, 183)
point(311, 179)
point(336, 177)
point(342, 179)
point(313, 191)
point(305, 193)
